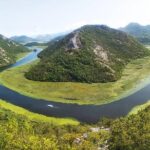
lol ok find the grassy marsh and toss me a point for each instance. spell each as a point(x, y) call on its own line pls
point(135, 76)
point(35, 116)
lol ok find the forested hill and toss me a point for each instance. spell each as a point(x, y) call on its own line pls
point(9, 50)
point(142, 33)
point(93, 53)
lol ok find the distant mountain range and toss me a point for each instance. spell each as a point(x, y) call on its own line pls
point(142, 33)
point(92, 53)
point(23, 39)
point(8, 51)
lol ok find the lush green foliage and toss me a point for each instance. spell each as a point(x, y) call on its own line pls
point(142, 33)
point(90, 54)
point(131, 133)
point(9, 51)
point(21, 132)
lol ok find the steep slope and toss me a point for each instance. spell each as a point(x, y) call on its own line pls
point(92, 53)
point(142, 33)
point(9, 50)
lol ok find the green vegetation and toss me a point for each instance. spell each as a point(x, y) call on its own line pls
point(91, 54)
point(20, 131)
point(135, 76)
point(131, 133)
point(142, 33)
point(9, 51)
point(138, 108)
point(36, 117)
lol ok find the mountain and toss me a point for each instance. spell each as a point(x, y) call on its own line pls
point(142, 33)
point(43, 38)
point(22, 39)
point(46, 43)
point(49, 37)
point(93, 53)
point(35, 44)
point(9, 50)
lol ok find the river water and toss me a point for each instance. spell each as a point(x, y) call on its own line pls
point(83, 113)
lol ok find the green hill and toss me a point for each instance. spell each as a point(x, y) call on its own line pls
point(142, 33)
point(9, 51)
point(93, 53)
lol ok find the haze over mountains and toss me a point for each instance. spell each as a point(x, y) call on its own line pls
point(142, 33)
point(93, 53)
point(43, 38)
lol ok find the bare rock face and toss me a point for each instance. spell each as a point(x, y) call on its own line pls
point(101, 53)
point(3, 55)
point(9, 50)
point(74, 42)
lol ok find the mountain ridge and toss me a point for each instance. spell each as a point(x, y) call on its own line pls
point(41, 38)
point(141, 32)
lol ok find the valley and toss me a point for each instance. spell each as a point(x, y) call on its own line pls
point(37, 104)
point(135, 76)
point(134, 79)
point(74, 75)
point(127, 92)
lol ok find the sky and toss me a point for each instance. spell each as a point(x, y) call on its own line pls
point(33, 17)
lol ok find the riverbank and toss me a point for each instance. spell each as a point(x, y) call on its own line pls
point(21, 55)
point(35, 116)
point(138, 108)
point(134, 77)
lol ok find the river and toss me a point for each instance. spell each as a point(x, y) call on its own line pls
point(83, 113)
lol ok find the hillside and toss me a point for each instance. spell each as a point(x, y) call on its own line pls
point(19, 131)
point(9, 50)
point(142, 33)
point(93, 53)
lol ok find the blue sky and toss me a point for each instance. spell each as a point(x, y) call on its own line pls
point(31, 17)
